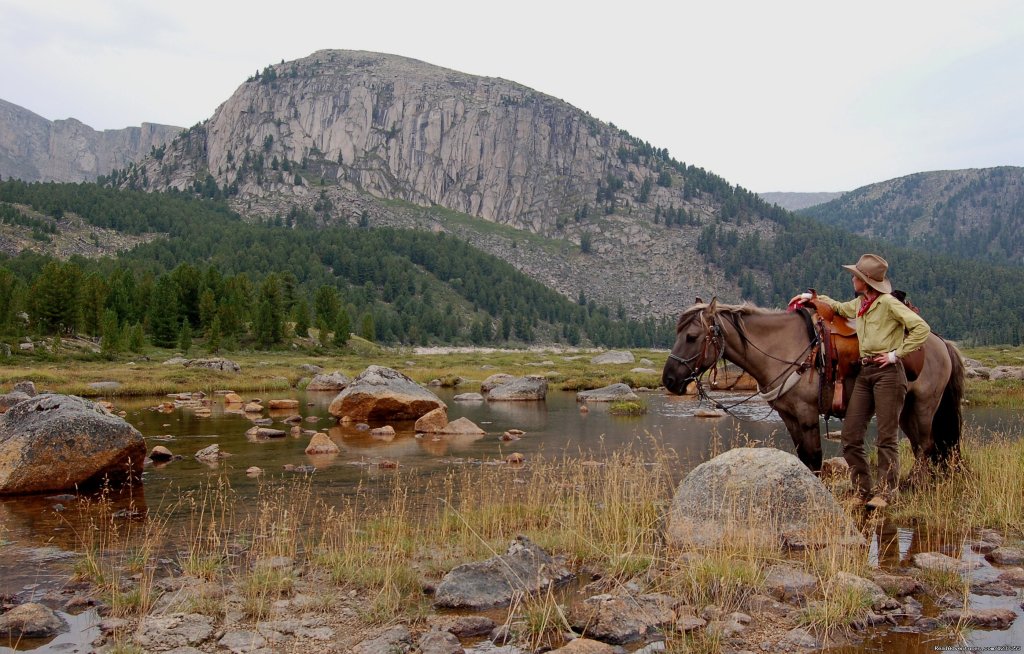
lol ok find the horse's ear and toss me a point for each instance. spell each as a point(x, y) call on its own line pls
point(698, 300)
point(713, 306)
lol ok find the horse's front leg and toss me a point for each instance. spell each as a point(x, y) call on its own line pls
point(803, 428)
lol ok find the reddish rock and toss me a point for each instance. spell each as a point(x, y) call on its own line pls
point(321, 443)
point(432, 422)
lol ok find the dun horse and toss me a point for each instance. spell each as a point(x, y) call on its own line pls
point(772, 345)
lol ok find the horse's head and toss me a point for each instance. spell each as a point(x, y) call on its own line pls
point(697, 348)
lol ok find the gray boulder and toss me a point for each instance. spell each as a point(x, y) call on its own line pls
point(494, 381)
point(620, 619)
point(392, 640)
point(1006, 556)
point(380, 393)
point(611, 393)
point(760, 493)
point(30, 620)
point(56, 442)
point(335, 381)
point(225, 365)
point(943, 563)
point(524, 568)
point(157, 633)
point(520, 389)
point(787, 583)
point(615, 356)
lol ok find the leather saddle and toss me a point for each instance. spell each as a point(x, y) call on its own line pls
point(840, 359)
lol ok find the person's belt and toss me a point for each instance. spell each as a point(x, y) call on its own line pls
point(868, 361)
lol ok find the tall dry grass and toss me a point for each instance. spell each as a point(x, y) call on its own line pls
point(386, 543)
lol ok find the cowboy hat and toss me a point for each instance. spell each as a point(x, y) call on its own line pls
point(871, 269)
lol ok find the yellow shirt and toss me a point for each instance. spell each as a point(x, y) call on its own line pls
point(888, 325)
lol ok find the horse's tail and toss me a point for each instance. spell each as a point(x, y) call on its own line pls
point(948, 420)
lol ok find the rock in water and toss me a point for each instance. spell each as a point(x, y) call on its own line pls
point(530, 388)
point(380, 393)
point(57, 442)
point(611, 393)
point(760, 493)
point(335, 381)
point(30, 621)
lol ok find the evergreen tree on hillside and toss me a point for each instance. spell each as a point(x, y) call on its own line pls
point(367, 329)
point(269, 323)
point(55, 298)
point(342, 328)
point(163, 313)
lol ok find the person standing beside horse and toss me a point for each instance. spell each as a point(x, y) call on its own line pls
point(887, 330)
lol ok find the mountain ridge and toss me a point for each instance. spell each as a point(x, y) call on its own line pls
point(35, 149)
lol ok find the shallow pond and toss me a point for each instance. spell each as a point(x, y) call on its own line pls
point(38, 534)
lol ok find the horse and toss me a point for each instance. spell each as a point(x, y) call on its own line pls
point(778, 349)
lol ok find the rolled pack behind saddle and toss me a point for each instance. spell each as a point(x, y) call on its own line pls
point(839, 356)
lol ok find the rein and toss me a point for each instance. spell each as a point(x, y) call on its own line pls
point(714, 336)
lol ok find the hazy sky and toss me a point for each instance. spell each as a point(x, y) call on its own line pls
point(774, 96)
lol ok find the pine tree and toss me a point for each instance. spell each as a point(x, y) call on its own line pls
point(342, 328)
point(366, 327)
point(185, 337)
point(300, 316)
point(213, 336)
point(163, 313)
point(136, 338)
point(110, 341)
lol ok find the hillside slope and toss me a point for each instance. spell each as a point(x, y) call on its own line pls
point(976, 213)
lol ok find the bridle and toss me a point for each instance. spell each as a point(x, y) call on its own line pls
point(712, 337)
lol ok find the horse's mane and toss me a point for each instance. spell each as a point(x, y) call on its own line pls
point(745, 309)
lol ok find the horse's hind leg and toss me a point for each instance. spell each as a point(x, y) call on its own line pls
point(915, 420)
point(806, 438)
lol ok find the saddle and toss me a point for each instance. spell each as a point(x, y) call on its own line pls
point(839, 359)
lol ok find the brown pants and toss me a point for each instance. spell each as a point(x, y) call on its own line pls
point(879, 391)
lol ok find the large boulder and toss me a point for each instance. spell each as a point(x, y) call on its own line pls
point(520, 389)
point(57, 442)
point(524, 568)
point(380, 393)
point(611, 393)
point(335, 381)
point(763, 494)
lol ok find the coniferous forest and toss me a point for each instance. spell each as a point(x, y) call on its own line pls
point(212, 275)
point(243, 285)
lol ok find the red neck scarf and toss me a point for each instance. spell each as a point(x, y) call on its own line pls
point(865, 304)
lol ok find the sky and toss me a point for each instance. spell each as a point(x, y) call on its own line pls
point(774, 96)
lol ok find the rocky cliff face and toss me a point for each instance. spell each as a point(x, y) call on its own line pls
point(398, 128)
point(35, 149)
point(342, 133)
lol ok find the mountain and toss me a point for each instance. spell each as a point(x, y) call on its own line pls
point(365, 137)
point(35, 149)
point(794, 201)
point(976, 213)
